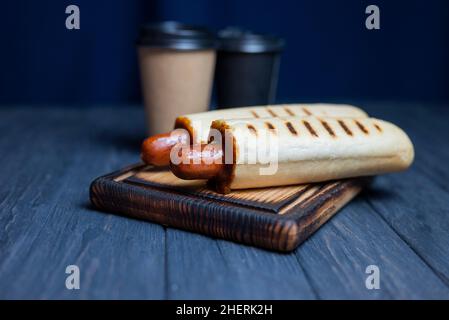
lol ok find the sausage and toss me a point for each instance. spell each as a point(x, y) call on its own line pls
point(156, 149)
point(201, 161)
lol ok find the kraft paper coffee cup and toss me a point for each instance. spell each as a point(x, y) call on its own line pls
point(247, 68)
point(177, 66)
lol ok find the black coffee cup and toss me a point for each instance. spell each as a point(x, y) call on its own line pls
point(247, 68)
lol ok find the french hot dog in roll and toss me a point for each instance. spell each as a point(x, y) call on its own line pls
point(309, 149)
point(156, 149)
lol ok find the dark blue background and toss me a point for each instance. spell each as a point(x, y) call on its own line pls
point(330, 55)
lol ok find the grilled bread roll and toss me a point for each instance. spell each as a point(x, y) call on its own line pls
point(301, 150)
point(156, 149)
point(198, 124)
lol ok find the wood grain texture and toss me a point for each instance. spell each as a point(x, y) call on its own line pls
point(272, 218)
point(46, 223)
point(417, 205)
point(269, 199)
point(363, 239)
point(48, 158)
point(200, 267)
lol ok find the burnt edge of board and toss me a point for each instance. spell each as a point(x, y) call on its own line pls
point(221, 219)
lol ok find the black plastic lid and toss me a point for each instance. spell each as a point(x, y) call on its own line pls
point(237, 40)
point(177, 36)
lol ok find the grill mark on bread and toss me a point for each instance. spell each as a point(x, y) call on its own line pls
point(378, 128)
point(306, 111)
point(272, 113)
point(344, 127)
point(290, 112)
point(254, 113)
point(361, 127)
point(270, 127)
point(328, 128)
point(252, 129)
point(291, 128)
point(310, 128)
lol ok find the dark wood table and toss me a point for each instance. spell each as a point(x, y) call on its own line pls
point(49, 156)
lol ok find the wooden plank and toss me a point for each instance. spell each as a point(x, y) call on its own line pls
point(267, 199)
point(420, 215)
point(415, 203)
point(47, 224)
point(203, 268)
point(336, 258)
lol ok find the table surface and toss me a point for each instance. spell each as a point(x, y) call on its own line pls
point(49, 156)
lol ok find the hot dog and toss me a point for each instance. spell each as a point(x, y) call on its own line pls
point(310, 149)
point(156, 149)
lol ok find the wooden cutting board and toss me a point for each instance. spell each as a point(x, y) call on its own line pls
point(278, 218)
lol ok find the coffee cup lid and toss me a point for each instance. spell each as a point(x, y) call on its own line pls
point(177, 36)
point(238, 40)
